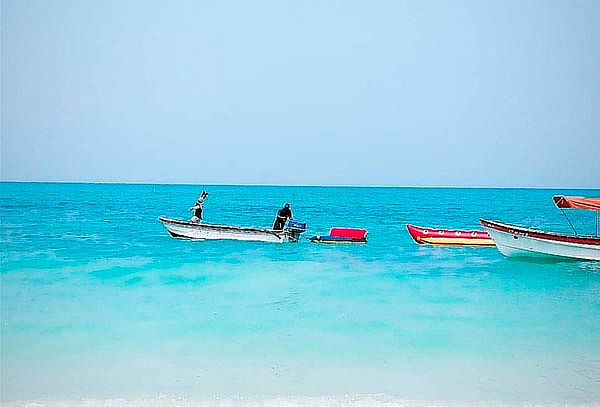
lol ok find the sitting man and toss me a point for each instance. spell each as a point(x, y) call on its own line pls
point(283, 215)
point(197, 208)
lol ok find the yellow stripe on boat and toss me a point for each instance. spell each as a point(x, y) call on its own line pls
point(457, 241)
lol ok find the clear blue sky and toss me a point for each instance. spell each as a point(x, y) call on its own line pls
point(423, 93)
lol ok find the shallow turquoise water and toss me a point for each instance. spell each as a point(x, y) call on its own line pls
point(99, 302)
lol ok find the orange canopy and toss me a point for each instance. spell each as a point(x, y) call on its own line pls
point(577, 202)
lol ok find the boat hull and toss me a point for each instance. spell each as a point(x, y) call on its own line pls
point(517, 241)
point(336, 240)
point(202, 231)
point(449, 237)
point(339, 235)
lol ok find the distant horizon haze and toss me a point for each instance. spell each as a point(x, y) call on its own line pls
point(208, 184)
point(388, 93)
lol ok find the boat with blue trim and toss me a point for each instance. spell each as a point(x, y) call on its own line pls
point(342, 236)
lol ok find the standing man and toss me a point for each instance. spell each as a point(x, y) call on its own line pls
point(283, 215)
point(198, 208)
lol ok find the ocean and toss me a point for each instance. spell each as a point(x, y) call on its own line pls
point(100, 305)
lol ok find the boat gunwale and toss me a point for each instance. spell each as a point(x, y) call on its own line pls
point(587, 240)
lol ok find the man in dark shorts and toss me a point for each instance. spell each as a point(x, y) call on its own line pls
point(283, 215)
point(198, 207)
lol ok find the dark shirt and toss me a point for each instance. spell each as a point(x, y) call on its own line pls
point(285, 213)
point(198, 210)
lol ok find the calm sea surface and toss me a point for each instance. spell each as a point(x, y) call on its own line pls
point(98, 302)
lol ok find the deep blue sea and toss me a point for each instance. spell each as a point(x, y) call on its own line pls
point(99, 303)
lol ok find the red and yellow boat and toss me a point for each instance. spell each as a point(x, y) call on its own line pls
point(450, 237)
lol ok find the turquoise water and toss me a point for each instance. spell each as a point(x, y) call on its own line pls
point(98, 302)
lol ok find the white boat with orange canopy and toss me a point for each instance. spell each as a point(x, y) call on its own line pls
point(514, 241)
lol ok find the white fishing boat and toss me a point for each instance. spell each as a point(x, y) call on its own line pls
point(516, 241)
point(204, 231)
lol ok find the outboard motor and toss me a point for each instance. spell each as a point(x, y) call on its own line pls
point(294, 229)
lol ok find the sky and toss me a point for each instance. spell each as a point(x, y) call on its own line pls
point(405, 93)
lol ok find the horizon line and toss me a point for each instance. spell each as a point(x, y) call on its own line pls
point(290, 185)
